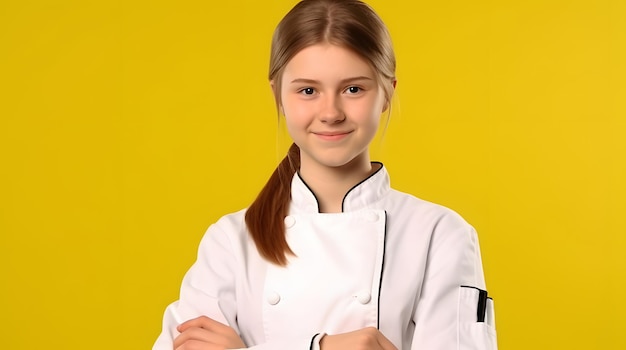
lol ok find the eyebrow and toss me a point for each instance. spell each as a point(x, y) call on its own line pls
point(343, 81)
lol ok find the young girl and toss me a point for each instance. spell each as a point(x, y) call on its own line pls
point(329, 256)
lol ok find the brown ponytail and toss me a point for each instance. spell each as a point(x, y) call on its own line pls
point(347, 23)
point(265, 217)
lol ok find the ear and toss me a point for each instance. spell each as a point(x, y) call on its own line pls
point(387, 103)
point(276, 97)
point(273, 87)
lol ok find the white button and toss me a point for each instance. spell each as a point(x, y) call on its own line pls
point(364, 297)
point(290, 221)
point(273, 298)
point(371, 216)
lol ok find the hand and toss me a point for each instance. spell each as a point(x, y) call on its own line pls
point(203, 333)
point(363, 339)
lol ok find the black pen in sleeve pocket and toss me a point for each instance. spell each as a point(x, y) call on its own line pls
point(481, 308)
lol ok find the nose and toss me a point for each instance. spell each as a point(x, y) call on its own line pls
point(331, 111)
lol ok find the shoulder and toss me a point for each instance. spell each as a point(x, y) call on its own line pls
point(430, 223)
point(410, 206)
point(444, 234)
point(227, 231)
point(233, 222)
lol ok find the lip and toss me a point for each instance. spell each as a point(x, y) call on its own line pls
point(332, 135)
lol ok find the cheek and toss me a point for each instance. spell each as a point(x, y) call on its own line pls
point(295, 112)
point(371, 119)
point(373, 124)
point(294, 120)
point(368, 113)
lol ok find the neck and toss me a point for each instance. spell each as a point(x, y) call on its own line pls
point(330, 184)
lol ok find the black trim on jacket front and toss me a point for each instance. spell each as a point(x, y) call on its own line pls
point(382, 269)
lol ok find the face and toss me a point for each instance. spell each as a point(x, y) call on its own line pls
point(332, 104)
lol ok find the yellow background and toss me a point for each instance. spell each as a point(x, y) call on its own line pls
point(127, 127)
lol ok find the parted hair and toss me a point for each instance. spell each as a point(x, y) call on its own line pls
point(350, 24)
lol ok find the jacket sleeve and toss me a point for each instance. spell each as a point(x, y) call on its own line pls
point(209, 289)
point(453, 311)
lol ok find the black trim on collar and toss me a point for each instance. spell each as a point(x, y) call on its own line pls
point(310, 190)
point(362, 181)
point(313, 341)
point(350, 190)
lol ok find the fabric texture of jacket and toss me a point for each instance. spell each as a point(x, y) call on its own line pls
point(392, 261)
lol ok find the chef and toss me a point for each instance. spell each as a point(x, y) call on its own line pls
point(329, 256)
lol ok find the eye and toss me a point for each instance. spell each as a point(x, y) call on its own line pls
point(307, 91)
point(353, 90)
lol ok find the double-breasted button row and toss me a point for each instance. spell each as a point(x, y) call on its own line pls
point(370, 216)
point(289, 221)
point(363, 297)
point(273, 298)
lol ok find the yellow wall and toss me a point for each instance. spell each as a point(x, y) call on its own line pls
point(126, 128)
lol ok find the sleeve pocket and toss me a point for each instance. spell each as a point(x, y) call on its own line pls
point(476, 322)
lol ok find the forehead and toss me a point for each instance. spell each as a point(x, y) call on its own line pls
point(327, 62)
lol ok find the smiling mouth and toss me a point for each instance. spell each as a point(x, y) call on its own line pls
point(332, 136)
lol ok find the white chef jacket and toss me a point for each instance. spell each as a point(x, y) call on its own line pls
point(392, 261)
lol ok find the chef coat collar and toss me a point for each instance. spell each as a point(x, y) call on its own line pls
point(361, 196)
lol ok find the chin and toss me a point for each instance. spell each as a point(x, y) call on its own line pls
point(340, 163)
point(336, 158)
